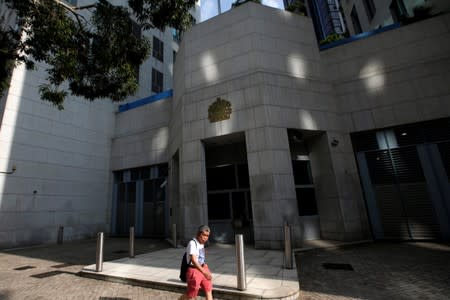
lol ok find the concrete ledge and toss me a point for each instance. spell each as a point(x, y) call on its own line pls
point(266, 278)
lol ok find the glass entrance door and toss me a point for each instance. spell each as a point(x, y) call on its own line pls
point(154, 207)
point(126, 207)
point(229, 203)
point(140, 201)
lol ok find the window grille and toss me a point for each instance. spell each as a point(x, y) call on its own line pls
point(158, 49)
point(157, 81)
point(370, 8)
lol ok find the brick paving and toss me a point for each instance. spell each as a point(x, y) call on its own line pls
point(62, 263)
point(381, 271)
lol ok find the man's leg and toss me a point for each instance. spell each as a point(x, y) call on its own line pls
point(209, 295)
point(206, 285)
point(194, 279)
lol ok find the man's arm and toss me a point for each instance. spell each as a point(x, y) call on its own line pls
point(195, 262)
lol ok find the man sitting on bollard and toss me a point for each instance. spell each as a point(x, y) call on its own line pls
point(198, 275)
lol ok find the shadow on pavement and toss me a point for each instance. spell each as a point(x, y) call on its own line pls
point(84, 252)
point(5, 294)
point(381, 270)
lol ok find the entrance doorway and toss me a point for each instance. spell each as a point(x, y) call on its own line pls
point(139, 200)
point(304, 184)
point(405, 176)
point(228, 188)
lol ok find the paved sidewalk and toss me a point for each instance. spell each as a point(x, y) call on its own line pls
point(50, 272)
point(381, 270)
point(266, 277)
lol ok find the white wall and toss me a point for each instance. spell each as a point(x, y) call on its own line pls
point(397, 77)
point(166, 67)
point(141, 136)
point(62, 160)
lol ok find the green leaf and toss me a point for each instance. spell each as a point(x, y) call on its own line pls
point(97, 57)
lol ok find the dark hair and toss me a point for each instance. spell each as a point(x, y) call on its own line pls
point(203, 228)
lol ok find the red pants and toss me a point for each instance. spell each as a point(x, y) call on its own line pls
point(196, 281)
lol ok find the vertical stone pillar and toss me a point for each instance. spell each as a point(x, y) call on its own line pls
point(193, 192)
point(338, 192)
point(351, 200)
point(271, 184)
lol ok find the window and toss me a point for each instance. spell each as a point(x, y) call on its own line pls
point(221, 178)
point(158, 49)
point(142, 173)
point(219, 206)
point(232, 176)
point(444, 149)
point(355, 21)
point(334, 15)
point(306, 201)
point(72, 2)
point(370, 8)
point(304, 188)
point(243, 176)
point(229, 192)
point(157, 81)
point(302, 172)
point(398, 10)
point(176, 35)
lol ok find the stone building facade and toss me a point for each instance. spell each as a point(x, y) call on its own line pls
point(262, 129)
point(266, 64)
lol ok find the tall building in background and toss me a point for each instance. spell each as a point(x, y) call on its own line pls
point(326, 17)
point(213, 8)
point(366, 15)
point(156, 73)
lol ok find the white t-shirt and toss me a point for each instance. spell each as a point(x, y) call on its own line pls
point(195, 248)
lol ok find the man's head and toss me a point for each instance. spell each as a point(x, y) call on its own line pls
point(203, 233)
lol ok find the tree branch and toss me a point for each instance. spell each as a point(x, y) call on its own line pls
point(73, 9)
point(85, 6)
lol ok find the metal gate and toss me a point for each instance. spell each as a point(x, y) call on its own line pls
point(406, 181)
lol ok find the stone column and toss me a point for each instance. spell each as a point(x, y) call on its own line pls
point(271, 184)
point(338, 191)
point(193, 191)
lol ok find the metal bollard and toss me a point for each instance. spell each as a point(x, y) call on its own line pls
point(131, 248)
point(99, 254)
point(174, 235)
point(241, 277)
point(60, 235)
point(287, 247)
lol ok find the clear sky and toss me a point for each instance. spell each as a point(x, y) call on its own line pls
point(209, 8)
